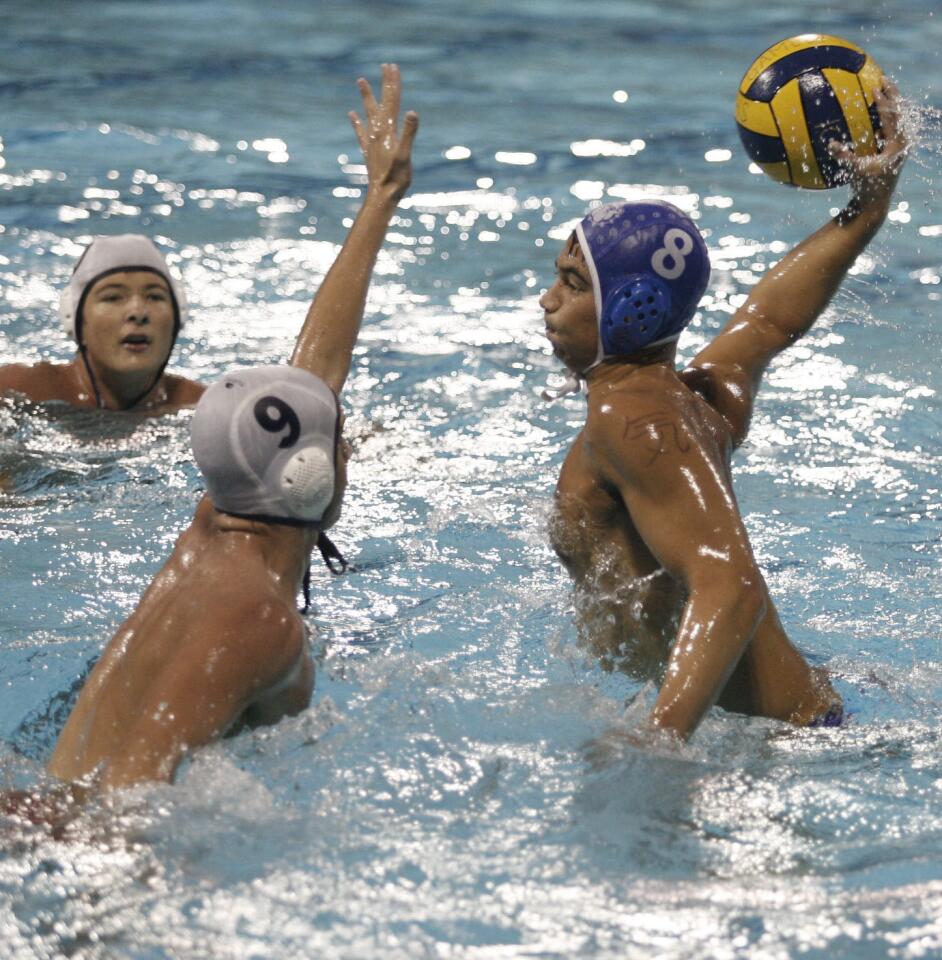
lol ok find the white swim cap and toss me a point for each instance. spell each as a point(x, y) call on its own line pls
point(104, 255)
point(265, 440)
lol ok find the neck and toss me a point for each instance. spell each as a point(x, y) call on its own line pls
point(287, 549)
point(615, 369)
point(118, 391)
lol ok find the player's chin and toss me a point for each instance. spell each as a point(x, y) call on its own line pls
point(559, 351)
point(569, 358)
point(137, 360)
point(570, 363)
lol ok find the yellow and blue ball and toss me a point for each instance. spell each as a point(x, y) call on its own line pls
point(800, 95)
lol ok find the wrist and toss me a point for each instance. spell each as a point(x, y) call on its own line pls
point(866, 208)
point(383, 197)
point(876, 191)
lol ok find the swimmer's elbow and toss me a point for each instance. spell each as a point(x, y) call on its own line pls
point(741, 596)
point(753, 603)
point(747, 603)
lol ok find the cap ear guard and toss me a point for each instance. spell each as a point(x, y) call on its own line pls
point(307, 482)
point(636, 313)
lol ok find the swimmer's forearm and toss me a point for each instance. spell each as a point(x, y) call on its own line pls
point(328, 337)
point(325, 346)
point(716, 628)
point(792, 295)
point(774, 680)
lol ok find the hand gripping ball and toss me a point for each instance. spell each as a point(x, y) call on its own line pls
point(797, 97)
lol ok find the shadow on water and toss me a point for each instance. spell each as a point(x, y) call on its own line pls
point(37, 733)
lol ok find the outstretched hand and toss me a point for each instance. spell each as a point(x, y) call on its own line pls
point(873, 178)
point(388, 154)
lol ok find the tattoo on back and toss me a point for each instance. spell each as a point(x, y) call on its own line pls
point(661, 433)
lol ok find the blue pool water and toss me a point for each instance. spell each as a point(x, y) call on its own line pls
point(435, 800)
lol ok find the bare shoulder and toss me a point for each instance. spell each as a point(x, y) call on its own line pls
point(647, 424)
point(39, 381)
point(268, 632)
point(182, 392)
point(728, 388)
point(228, 627)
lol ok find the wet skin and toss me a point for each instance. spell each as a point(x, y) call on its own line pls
point(647, 524)
point(216, 641)
point(175, 673)
point(646, 520)
point(127, 331)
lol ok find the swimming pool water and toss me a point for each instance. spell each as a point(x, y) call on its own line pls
point(435, 801)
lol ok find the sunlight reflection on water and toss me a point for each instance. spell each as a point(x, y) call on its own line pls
point(435, 800)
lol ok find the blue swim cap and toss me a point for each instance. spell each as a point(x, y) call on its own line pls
point(649, 268)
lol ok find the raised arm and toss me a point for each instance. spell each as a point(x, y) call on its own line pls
point(680, 499)
point(325, 344)
point(791, 296)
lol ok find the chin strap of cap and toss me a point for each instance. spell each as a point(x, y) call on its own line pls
point(335, 561)
point(332, 555)
point(91, 377)
point(572, 384)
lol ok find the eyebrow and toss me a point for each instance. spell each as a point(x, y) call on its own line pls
point(155, 284)
point(567, 268)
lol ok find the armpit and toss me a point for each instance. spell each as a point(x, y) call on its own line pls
point(728, 390)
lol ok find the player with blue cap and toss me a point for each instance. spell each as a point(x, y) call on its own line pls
point(216, 641)
point(649, 267)
point(646, 519)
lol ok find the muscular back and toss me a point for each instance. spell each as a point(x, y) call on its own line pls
point(215, 633)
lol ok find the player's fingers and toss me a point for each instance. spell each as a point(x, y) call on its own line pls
point(888, 111)
point(891, 91)
point(392, 90)
point(410, 126)
point(366, 92)
point(855, 167)
point(357, 125)
point(841, 152)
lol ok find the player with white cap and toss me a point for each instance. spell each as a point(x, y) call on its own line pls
point(124, 308)
point(216, 640)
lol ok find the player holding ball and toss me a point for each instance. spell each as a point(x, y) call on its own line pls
point(646, 520)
